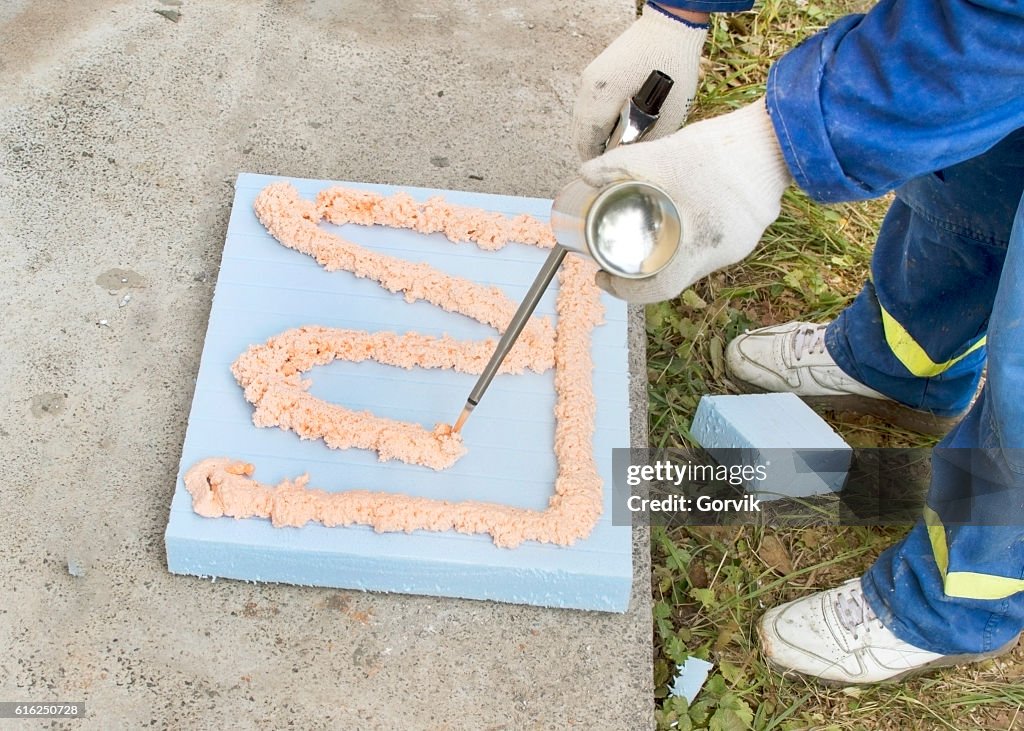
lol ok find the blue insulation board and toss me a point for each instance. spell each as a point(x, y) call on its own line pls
point(263, 289)
point(802, 454)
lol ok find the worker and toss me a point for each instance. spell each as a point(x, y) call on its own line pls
point(918, 97)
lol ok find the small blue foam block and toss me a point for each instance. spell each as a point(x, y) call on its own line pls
point(692, 675)
point(265, 288)
point(801, 453)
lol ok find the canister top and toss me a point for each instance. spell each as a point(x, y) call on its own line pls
point(632, 229)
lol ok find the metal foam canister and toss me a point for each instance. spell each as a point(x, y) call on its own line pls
point(630, 228)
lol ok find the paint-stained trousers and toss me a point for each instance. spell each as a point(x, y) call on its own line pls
point(946, 297)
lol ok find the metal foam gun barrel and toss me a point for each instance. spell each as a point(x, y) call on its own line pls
point(630, 228)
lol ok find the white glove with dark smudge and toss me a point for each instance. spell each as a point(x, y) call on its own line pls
point(726, 176)
point(655, 41)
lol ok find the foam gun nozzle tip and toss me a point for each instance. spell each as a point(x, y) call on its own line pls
point(462, 419)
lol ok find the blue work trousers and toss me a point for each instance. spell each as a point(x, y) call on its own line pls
point(946, 297)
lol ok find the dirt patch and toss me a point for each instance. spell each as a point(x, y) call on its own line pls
point(48, 404)
point(118, 279)
point(46, 25)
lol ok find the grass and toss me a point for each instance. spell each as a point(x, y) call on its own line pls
point(711, 584)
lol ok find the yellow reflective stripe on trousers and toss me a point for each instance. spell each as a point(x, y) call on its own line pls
point(937, 537)
point(965, 584)
point(911, 354)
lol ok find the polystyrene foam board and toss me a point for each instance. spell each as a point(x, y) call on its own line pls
point(778, 430)
point(264, 289)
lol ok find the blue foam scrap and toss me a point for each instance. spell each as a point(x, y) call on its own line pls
point(690, 678)
point(264, 288)
point(801, 453)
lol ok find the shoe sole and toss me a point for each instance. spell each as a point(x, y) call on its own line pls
point(893, 412)
point(946, 661)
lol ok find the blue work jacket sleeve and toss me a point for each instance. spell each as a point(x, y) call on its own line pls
point(909, 88)
point(707, 6)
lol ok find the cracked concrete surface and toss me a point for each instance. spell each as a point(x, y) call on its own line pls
point(120, 134)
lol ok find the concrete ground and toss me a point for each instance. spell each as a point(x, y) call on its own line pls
point(121, 131)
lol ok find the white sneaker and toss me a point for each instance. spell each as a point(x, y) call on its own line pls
point(793, 358)
point(834, 636)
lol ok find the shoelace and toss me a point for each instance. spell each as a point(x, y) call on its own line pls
point(809, 340)
point(854, 612)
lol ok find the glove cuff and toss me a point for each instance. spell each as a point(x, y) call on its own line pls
point(675, 18)
point(661, 35)
point(751, 127)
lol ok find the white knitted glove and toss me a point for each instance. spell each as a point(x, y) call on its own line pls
point(726, 176)
point(655, 41)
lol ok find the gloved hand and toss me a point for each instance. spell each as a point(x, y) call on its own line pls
point(726, 176)
point(656, 40)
